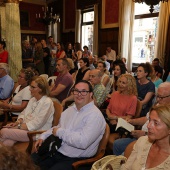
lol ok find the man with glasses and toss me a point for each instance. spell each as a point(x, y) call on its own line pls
point(81, 128)
point(163, 97)
point(6, 82)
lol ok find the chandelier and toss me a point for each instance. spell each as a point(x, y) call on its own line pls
point(151, 3)
point(47, 17)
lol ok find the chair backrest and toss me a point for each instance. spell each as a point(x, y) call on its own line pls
point(138, 109)
point(45, 76)
point(52, 79)
point(57, 114)
point(104, 140)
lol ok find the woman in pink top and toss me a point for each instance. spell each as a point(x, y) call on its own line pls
point(123, 102)
point(3, 53)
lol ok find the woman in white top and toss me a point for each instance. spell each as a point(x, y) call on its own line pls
point(38, 115)
point(21, 96)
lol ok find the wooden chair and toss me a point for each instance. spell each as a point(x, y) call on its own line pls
point(100, 152)
point(138, 109)
point(27, 146)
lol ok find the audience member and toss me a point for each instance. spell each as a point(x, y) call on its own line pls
point(81, 128)
point(86, 52)
point(60, 50)
point(155, 62)
point(27, 54)
point(123, 102)
point(83, 72)
point(145, 87)
point(12, 159)
point(111, 54)
point(77, 54)
point(38, 115)
point(33, 42)
point(3, 52)
point(99, 91)
point(63, 81)
point(39, 59)
point(104, 58)
point(153, 151)
point(154, 78)
point(50, 42)
point(6, 82)
point(163, 97)
point(68, 50)
point(91, 60)
point(21, 96)
point(46, 56)
point(95, 60)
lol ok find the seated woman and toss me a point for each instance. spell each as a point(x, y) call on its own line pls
point(21, 95)
point(123, 101)
point(153, 151)
point(145, 87)
point(38, 115)
point(83, 72)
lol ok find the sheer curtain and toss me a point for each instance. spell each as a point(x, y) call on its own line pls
point(95, 30)
point(126, 21)
point(78, 26)
point(163, 22)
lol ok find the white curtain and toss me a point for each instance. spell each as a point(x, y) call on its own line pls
point(126, 21)
point(163, 22)
point(78, 26)
point(95, 30)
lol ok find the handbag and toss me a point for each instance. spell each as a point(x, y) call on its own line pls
point(111, 162)
point(50, 146)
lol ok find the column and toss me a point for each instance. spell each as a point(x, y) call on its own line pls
point(55, 32)
point(2, 22)
point(13, 37)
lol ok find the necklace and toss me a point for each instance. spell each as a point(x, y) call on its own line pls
point(34, 106)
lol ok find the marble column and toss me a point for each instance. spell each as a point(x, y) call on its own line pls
point(13, 37)
point(2, 22)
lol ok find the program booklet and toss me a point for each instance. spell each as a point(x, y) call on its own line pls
point(124, 124)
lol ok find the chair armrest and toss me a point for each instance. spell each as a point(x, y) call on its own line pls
point(31, 134)
point(88, 161)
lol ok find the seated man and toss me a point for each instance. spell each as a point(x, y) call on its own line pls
point(99, 89)
point(163, 97)
point(79, 134)
point(6, 82)
point(63, 82)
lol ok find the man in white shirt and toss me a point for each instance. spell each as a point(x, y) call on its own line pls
point(81, 128)
point(111, 54)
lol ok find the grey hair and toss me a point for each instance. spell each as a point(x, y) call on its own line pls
point(5, 66)
point(164, 85)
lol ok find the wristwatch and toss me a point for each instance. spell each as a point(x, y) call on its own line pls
point(19, 126)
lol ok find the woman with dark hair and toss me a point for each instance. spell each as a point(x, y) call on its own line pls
point(3, 52)
point(38, 115)
point(145, 87)
point(86, 52)
point(68, 50)
point(60, 50)
point(83, 72)
point(154, 76)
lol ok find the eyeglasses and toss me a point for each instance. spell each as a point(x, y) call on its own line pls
point(32, 87)
point(162, 97)
point(83, 93)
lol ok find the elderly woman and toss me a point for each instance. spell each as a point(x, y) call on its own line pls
point(38, 114)
point(21, 95)
point(153, 151)
point(123, 101)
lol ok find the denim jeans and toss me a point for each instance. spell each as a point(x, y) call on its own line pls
point(120, 145)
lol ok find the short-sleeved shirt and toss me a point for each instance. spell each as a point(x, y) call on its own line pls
point(20, 96)
point(4, 57)
point(122, 105)
point(65, 80)
point(142, 91)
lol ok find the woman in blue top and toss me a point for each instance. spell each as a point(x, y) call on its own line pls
point(145, 87)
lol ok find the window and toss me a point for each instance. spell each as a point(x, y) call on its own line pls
point(144, 35)
point(87, 28)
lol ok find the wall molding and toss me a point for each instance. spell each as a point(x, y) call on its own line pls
point(32, 32)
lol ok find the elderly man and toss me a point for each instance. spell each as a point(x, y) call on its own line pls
point(81, 128)
point(99, 89)
point(63, 82)
point(111, 54)
point(163, 97)
point(6, 82)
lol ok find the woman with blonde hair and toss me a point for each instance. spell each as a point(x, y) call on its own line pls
point(38, 114)
point(153, 151)
point(123, 101)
